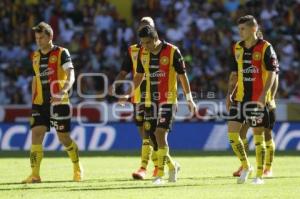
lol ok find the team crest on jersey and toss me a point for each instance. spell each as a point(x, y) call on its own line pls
point(52, 59)
point(256, 56)
point(164, 60)
point(147, 125)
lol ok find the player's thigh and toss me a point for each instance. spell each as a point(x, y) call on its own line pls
point(161, 135)
point(139, 119)
point(234, 126)
point(61, 118)
point(39, 122)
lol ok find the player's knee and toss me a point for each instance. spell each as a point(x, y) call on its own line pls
point(65, 139)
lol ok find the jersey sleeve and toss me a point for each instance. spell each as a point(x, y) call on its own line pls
point(270, 59)
point(66, 61)
point(127, 62)
point(178, 62)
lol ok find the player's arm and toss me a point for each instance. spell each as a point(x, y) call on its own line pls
point(275, 87)
point(126, 68)
point(137, 81)
point(68, 67)
point(232, 82)
point(272, 66)
point(179, 65)
point(33, 86)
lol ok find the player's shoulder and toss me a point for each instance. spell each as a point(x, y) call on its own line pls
point(134, 47)
point(168, 44)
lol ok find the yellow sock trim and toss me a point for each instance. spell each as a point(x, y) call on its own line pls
point(162, 159)
point(145, 153)
point(260, 151)
point(154, 158)
point(72, 151)
point(36, 156)
point(270, 152)
point(238, 148)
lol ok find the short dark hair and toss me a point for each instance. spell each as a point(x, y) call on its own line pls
point(248, 20)
point(148, 31)
point(43, 27)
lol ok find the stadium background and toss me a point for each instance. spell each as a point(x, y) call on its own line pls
point(98, 32)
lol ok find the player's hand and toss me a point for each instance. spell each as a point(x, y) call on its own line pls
point(262, 101)
point(57, 98)
point(122, 100)
point(228, 102)
point(111, 90)
point(192, 106)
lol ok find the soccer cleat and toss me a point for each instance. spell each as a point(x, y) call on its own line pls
point(78, 174)
point(158, 181)
point(139, 174)
point(155, 172)
point(268, 173)
point(173, 174)
point(237, 173)
point(258, 181)
point(244, 175)
point(32, 179)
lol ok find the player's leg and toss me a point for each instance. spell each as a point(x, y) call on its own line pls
point(270, 144)
point(146, 148)
point(62, 124)
point(260, 150)
point(165, 120)
point(243, 135)
point(39, 125)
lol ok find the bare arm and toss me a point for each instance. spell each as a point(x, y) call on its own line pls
point(137, 80)
point(185, 83)
point(70, 80)
point(274, 87)
point(121, 76)
point(33, 86)
point(232, 83)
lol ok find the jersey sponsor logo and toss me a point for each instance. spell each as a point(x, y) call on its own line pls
point(164, 60)
point(250, 70)
point(162, 120)
point(256, 56)
point(53, 59)
point(249, 79)
point(44, 65)
point(46, 72)
point(157, 74)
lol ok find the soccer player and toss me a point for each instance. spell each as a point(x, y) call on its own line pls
point(53, 78)
point(254, 66)
point(160, 63)
point(270, 144)
point(129, 66)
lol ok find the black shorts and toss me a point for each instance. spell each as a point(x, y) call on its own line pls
point(272, 118)
point(249, 112)
point(160, 116)
point(139, 110)
point(59, 117)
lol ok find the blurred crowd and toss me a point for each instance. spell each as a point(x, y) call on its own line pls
point(97, 38)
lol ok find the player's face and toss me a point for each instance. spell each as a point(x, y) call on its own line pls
point(148, 43)
point(246, 31)
point(42, 40)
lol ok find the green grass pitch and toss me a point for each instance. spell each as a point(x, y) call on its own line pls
point(205, 175)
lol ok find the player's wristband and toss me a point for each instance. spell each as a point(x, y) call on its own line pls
point(189, 96)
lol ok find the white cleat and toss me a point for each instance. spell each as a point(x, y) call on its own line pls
point(258, 181)
point(244, 175)
point(158, 181)
point(173, 174)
